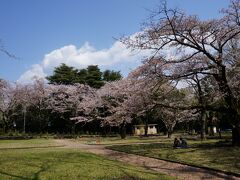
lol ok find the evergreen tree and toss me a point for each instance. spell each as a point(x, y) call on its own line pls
point(111, 75)
point(81, 76)
point(63, 75)
point(94, 76)
point(91, 76)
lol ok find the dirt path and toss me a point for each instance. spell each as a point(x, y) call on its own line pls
point(174, 169)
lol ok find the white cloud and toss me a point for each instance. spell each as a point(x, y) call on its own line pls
point(117, 57)
point(87, 55)
point(35, 71)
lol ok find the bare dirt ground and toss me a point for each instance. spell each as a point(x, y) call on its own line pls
point(173, 169)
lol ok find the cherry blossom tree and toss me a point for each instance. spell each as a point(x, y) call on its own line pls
point(183, 45)
point(22, 98)
point(134, 101)
point(118, 103)
point(12, 95)
point(100, 104)
point(39, 93)
point(67, 99)
point(205, 92)
point(6, 102)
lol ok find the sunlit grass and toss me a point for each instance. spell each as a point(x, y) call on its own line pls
point(210, 153)
point(26, 143)
point(63, 163)
point(118, 140)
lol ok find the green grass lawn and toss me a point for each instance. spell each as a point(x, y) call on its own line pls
point(62, 163)
point(118, 140)
point(210, 153)
point(134, 139)
point(31, 143)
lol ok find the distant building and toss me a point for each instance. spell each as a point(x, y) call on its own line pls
point(140, 129)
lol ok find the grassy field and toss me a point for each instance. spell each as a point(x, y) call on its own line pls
point(62, 163)
point(118, 140)
point(31, 143)
point(136, 139)
point(210, 153)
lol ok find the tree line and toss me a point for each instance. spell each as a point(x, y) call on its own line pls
point(91, 76)
point(190, 78)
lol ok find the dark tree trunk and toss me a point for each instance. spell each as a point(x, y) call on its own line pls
point(231, 102)
point(146, 130)
point(123, 131)
point(203, 115)
point(40, 121)
point(219, 133)
point(74, 129)
point(236, 135)
point(104, 132)
point(146, 126)
point(211, 133)
point(110, 130)
point(169, 134)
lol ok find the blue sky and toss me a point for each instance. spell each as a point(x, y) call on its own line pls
point(44, 33)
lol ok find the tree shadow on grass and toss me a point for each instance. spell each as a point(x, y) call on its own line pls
point(208, 174)
point(36, 176)
point(14, 176)
point(44, 167)
point(189, 170)
point(44, 164)
point(128, 176)
point(218, 155)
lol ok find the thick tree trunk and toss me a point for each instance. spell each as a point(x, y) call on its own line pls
point(231, 102)
point(169, 134)
point(145, 130)
point(146, 126)
point(123, 131)
point(219, 133)
point(104, 132)
point(40, 121)
point(74, 129)
point(236, 134)
point(203, 115)
point(211, 133)
point(110, 130)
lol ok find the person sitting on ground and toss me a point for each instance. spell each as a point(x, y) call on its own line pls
point(183, 143)
point(176, 143)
